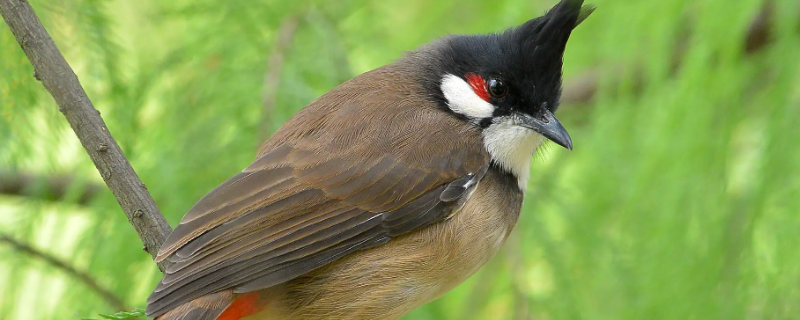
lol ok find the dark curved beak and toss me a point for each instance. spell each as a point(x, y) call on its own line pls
point(548, 126)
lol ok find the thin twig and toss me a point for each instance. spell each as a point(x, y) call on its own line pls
point(759, 34)
point(52, 188)
point(581, 88)
point(52, 70)
point(272, 78)
point(110, 298)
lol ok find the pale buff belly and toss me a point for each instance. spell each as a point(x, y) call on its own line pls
point(389, 281)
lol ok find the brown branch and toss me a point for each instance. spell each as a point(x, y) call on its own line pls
point(581, 88)
point(110, 298)
point(52, 70)
point(759, 34)
point(272, 78)
point(51, 188)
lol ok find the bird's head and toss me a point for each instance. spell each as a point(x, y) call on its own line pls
point(508, 84)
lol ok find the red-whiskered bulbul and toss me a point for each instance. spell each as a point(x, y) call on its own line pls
point(384, 193)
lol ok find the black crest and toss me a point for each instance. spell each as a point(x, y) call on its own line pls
point(527, 58)
point(541, 43)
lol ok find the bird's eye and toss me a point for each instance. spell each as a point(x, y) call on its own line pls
point(496, 88)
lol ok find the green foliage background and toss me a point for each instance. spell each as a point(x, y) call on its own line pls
point(680, 200)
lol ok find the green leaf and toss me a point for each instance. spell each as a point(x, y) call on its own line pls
point(138, 313)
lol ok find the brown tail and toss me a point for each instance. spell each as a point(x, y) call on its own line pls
point(219, 306)
point(208, 307)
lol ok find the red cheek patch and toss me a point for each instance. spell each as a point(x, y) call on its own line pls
point(478, 85)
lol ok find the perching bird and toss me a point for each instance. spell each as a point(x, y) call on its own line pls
point(384, 193)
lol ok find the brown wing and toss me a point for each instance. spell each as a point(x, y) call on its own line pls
point(317, 194)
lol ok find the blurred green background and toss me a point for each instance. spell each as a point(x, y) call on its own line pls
point(680, 201)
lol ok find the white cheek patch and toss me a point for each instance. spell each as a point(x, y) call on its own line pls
point(463, 100)
point(512, 147)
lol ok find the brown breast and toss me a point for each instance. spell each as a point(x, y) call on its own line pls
point(388, 281)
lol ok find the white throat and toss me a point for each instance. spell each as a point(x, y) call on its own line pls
point(511, 147)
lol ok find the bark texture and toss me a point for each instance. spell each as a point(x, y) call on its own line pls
point(53, 71)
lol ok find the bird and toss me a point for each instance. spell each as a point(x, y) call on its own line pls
point(384, 193)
